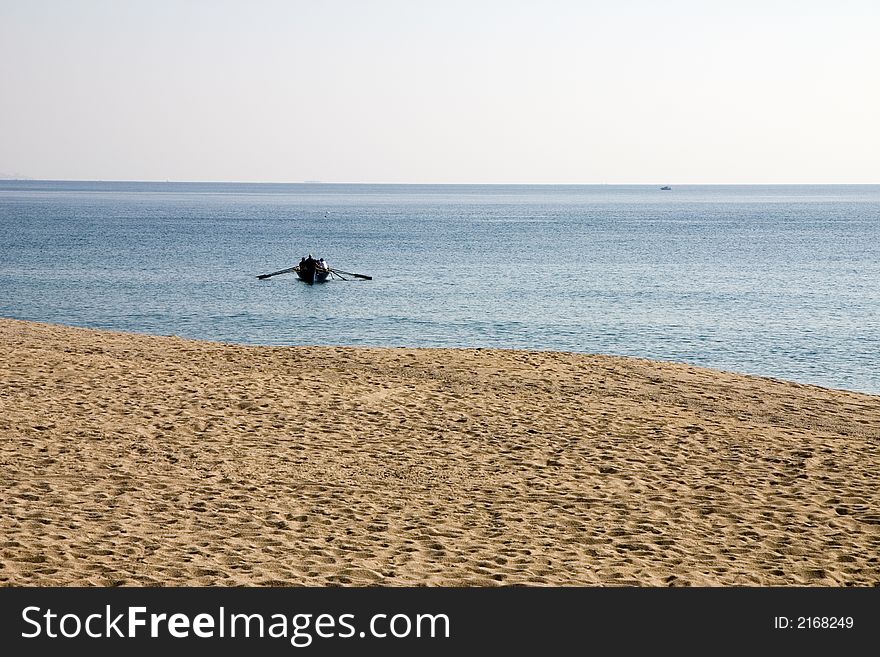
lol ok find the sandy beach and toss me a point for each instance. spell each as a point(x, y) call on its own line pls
point(129, 459)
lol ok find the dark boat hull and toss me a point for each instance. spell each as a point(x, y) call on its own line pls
point(313, 276)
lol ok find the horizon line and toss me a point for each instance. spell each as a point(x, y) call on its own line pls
point(486, 184)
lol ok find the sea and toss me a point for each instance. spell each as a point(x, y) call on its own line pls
point(780, 281)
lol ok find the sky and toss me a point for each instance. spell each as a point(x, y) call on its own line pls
point(449, 91)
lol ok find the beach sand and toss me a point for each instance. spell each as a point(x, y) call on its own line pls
point(144, 460)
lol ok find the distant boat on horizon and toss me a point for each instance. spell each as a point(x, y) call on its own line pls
point(666, 187)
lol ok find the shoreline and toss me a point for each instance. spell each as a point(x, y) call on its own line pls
point(144, 460)
point(464, 349)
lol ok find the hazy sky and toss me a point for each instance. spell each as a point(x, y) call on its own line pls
point(446, 91)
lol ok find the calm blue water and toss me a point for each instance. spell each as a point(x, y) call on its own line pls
point(773, 280)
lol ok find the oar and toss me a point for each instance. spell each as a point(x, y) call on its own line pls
point(364, 276)
point(275, 273)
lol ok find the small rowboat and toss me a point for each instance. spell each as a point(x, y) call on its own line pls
point(313, 271)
